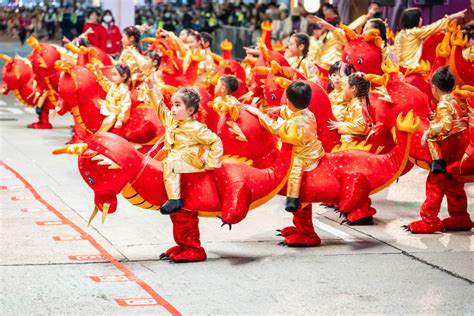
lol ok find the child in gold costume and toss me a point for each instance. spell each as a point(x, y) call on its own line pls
point(297, 56)
point(448, 117)
point(309, 151)
point(354, 120)
point(409, 41)
point(190, 146)
point(338, 74)
point(226, 85)
point(117, 103)
point(132, 56)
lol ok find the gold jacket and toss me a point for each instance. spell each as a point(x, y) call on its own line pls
point(331, 49)
point(448, 119)
point(310, 149)
point(117, 101)
point(189, 145)
point(136, 62)
point(408, 42)
point(306, 67)
point(355, 123)
point(338, 105)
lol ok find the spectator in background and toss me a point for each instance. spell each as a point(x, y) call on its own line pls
point(294, 24)
point(98, 36)
point(373, 12)
point(24, 21)
point(113, 39)
point(67, 22)
point(50, 21)
point(80, 18)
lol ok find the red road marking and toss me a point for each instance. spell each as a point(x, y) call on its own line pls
point(68, 238)
point(127, 302)
point(11, 187)
point(34, 210)
point(86, 257)
point(20, 198)
point(155, 299)
point(111, 278)
point(50, 223)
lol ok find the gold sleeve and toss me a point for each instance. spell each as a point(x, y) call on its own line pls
point(270, 124)
point(353, 122)
point(164, 114)
point(205, 136)
point(443, 122)
point(427, 30)
point(125, 104)
point(358, 23)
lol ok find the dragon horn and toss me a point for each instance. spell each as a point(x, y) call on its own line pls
point(261, 70)
point(105, 211)
point(282, 82)
point(148, 40)
point(94, 213)
point(350, 34)
point(374, 37)
point(73, 149)
point(6, 58)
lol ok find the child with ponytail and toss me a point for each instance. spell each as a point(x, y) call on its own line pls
point(354, 120)
point(116, 105)
point(297, 56)
point(132, 54)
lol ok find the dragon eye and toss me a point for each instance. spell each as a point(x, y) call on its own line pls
point(274, 97)
point(347, 58)
point(90, 181)
point(359, 60)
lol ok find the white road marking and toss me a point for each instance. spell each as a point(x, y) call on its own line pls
point(334, 231)
point(10, 111)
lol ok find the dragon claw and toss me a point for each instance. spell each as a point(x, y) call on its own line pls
point(279, 235)
point(224, 223)
point(344, 221)
point(282, 243)
point(163, 256)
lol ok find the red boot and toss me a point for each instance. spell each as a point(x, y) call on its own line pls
point(362, 216)
point(305, 236)
point(430, 222)
point(459, 218)
point(186, 235)
point(43, 121)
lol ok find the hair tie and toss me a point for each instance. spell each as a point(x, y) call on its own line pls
point(123, 65)
point(359, 75)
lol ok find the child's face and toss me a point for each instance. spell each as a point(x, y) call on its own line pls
point(183, 35)
point(192, 42)
point(436, 92)
point(336, 79)
point(126, 40)
point(349, 92)
point(220, 90)
point(116, 77)
point(293, 48)
point(179, 110)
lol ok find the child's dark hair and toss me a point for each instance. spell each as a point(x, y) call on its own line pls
point(312, 27)
point(443, 79)
point(190, 98)
point(302, 38)
point(154, 55)
point(379, 25)
point(410, 18)
point(206, 37)
point(363, 86)
point(299, 93)
point(347, 70)
point(123, 71)
point(132, 31)
point(92, 11)
point(230, 82)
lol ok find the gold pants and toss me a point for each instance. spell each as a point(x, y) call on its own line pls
point(296, 174)
point(172, 181)
point(108, 123)
point(435, 151)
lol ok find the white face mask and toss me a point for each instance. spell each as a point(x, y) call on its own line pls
point(107, 18)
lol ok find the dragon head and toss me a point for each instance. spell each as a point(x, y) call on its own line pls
point(16, 72)
point(43, 57)
point(107, 163)
point(363, 51)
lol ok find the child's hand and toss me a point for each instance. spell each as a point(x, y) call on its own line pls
point(208, 168)
point(424, 139)
point(334, 125)
point(150, 83)
point(273, 110)
point(118, 124)
point(253, 110)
